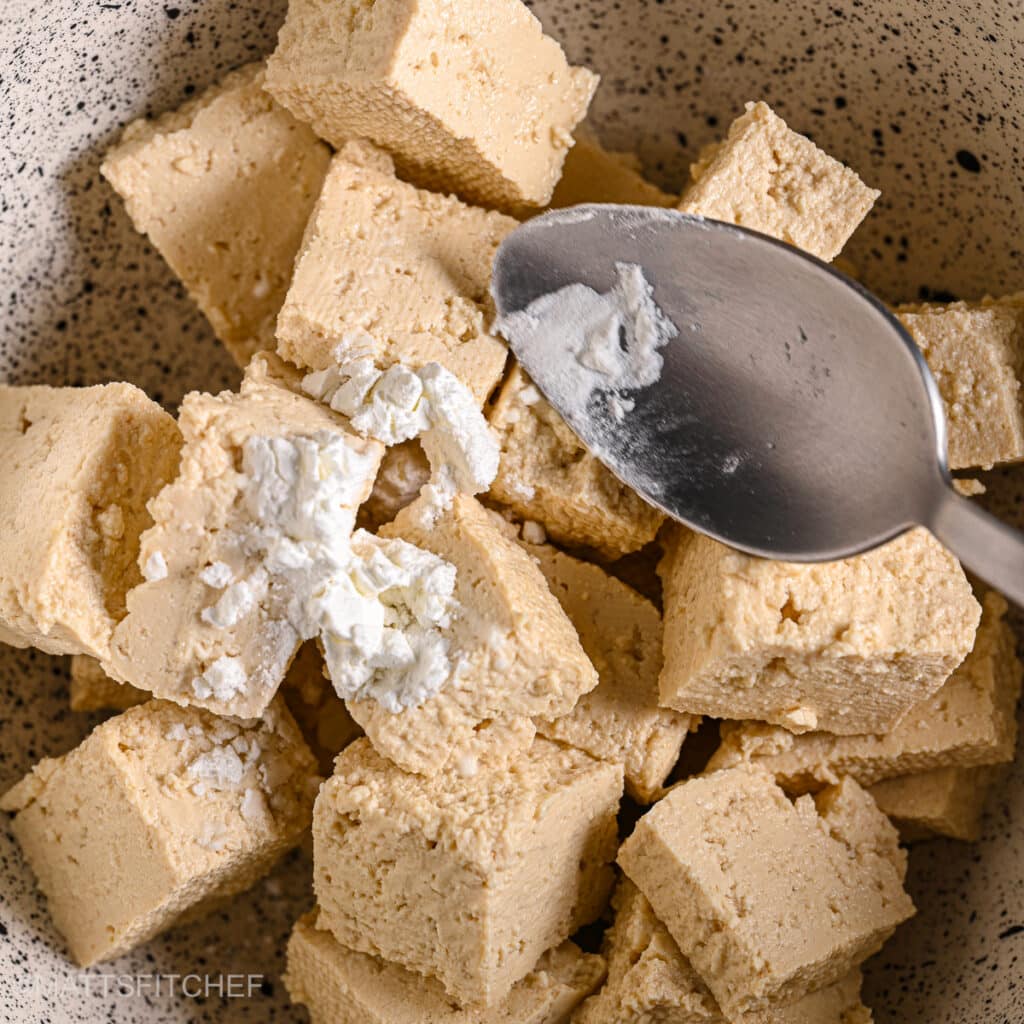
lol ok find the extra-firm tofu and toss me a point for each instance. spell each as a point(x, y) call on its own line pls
point(93, 690)
point(223, 187)
point(470, 98)
point(944, 802)
point(79, 465)
point(517, 653)
point(975, 350)
point(465, 879)
point(769, 899)
point(844, 647)
point(165, 644)
point(767, 177)
point(339, 986)
point(160, 812)
point(395, 272)
point(621, 633)
point(649, 980)
point(320, 713)
point(971, 720)
point(547, 475)
point(593, 174)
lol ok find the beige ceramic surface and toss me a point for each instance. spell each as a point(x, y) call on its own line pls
point(924, 97)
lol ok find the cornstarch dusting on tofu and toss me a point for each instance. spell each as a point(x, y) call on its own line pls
point(615, 337)
point(378, 606)
point(398, 404)
point(155, 567)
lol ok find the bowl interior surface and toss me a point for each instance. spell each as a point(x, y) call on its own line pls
point(922, 97)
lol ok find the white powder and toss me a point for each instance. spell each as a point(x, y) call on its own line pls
point(385, 404)
point(218, 575)
point(459, 438)
point(381, 623)
point(238, 600)
point(378, 606)
point(306, 491)
point(614, 336)
point(219, 768)
point(224, 679)
point(155, 567)
point(398, 404)
point(213, 837)
point(254, 805)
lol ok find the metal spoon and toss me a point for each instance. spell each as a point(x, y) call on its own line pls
point(794, 417)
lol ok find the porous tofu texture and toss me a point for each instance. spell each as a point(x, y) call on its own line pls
point(471, 98)
point(339, 986)
point(943, 802)
point(160, 812)
point(163, 644)
point(79, 465)
point(93, 690)
point(515, 652)
point(320, 713)
point(548, 476)
point(975, 351)
point(465, 879)
point(649, 980)
point(971, 720)
point(389, 270)
point(621, 633)
point(767, 177)
point(593, 174)
point(844, 647)
point(223, 188)
point(769, 899)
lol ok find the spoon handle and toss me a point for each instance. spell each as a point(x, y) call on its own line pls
point(986, 546)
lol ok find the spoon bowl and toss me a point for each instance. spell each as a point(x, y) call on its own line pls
point(794, 417)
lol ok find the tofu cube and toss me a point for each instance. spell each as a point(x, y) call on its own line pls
point(942, 802)
point(339, 986)
point(394, 272)
point(223, 188)
point(79, 465)
point(621, 633)
point(203, 628)
point(320, 713)
point(767, 177)
point(593, 174)
point(976, 354)
point(844, 647)
point(439, 85)
point(93, 690)
point(547, 475)
point(650, 980)
point(159, 813)
point(466, 880)
point(768, 899)
point(971, 720)
point(515, 653)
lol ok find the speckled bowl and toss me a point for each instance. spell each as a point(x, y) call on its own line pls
point(924, 98)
